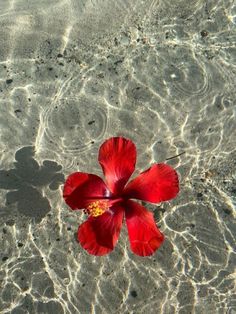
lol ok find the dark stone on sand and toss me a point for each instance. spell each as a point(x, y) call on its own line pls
point(4, 258)
point(91, 122)
point(204, 33)
point(133, 293)
point(9, 81)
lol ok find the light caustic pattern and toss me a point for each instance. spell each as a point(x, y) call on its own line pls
point(73, 73)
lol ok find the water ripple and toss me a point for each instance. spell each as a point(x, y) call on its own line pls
point(73, 73)
point(72, 125)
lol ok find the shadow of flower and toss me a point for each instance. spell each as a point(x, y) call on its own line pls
point(26, 180)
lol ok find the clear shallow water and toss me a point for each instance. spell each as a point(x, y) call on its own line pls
point(73, 73)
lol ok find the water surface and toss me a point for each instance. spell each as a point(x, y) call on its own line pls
point(74, 73)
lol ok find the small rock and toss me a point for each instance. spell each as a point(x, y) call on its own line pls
point(9, 81)
point(204, 33)
point(133, 293)
point(4, 258)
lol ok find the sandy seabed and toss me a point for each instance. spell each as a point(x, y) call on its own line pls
point(74, 73)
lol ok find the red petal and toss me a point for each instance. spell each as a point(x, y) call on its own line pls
point(81, 187)
point(117, 157)
point(145, 238)
point(158, 183)
point(99, 235)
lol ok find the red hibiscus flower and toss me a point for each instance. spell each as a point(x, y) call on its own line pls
point(108, 203)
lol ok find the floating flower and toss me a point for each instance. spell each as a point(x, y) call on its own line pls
point(108, 203)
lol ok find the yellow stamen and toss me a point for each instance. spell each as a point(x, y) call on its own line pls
point(97, 208)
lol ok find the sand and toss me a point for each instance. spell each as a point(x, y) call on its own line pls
point(74, 73)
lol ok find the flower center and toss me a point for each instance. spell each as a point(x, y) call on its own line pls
point(97, 208)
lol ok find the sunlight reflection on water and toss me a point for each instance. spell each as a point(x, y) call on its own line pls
point(75, 73)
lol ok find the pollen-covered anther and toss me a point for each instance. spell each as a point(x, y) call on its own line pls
point(97, 208)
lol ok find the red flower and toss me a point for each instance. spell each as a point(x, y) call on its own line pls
point(107, 203)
